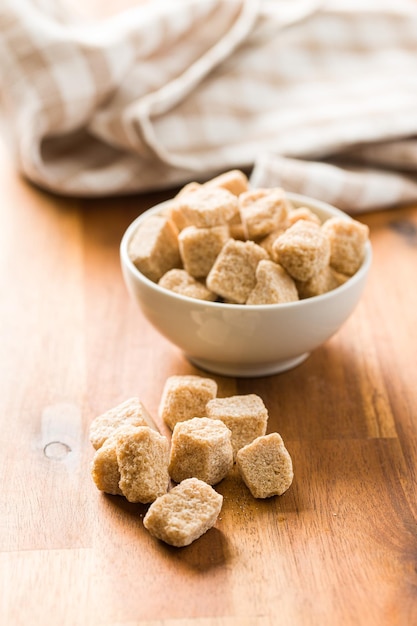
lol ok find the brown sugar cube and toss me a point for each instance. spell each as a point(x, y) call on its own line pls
point(177, 217)
point(246, 416)
point(188, 188)
point(143, 458)
point(199, 248)
point(185, 397)
point(347, 243)
point(303, 250)
point(302, 213)
point(322, 282)
point(181, 282)
point(234, 181)
point(104, 467)
point(267, 242)
point(207, 207)
point(236, 228)
point(154, 247)
point(262, 211)
point(265, 466)
point(174, 209)
point(185, 513)
point(201, 448)
point(233, 275)
point(273, 285)
point(130, 412)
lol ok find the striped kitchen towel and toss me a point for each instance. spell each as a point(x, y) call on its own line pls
point(319, 97)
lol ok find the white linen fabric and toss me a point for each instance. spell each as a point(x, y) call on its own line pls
point(317, 97)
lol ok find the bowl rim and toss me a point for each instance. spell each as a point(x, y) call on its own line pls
point(300, 199)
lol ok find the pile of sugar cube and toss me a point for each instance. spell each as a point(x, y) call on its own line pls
point(222, 241)
point(210, 434)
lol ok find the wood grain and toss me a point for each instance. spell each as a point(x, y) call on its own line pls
point(340, 547)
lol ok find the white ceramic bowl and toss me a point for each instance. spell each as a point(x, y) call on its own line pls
point(238, 339)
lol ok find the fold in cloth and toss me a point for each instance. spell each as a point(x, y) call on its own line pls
point(318, 97)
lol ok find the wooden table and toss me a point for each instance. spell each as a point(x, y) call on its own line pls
point(340, 547)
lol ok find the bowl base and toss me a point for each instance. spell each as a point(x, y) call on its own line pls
point(247, 371)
